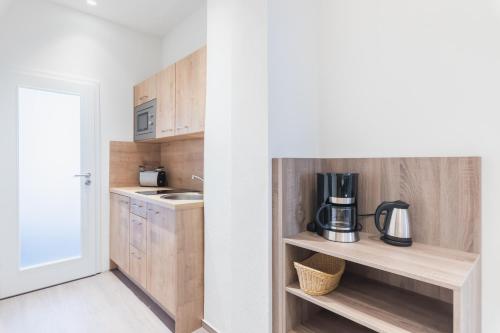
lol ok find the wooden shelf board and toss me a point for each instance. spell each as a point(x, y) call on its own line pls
point(383, 308)
point(327, 322)
point(180, 137)
point(435, 265)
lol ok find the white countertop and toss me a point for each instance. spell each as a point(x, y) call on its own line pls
point(155, 199)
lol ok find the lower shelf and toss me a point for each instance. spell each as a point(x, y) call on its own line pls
point(382, 307)
point(327, 322)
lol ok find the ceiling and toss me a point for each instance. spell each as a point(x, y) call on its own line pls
point(3, 5)
point(155, 17)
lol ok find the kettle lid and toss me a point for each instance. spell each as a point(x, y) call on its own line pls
point(396, 204)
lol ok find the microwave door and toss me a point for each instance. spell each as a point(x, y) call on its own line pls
point(142, 122)
point(145, 121)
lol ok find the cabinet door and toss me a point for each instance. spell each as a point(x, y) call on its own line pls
point(191, 77)
point(138, 229)
point(161, 255)
point(138, 270)
point(145, 91)
point(119, 230)
point(165, 113)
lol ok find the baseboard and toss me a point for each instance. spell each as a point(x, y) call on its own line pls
point(207, 327)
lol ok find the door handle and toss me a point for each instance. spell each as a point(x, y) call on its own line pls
point(86, 175)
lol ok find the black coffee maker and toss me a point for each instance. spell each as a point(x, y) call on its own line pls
point(336, 215)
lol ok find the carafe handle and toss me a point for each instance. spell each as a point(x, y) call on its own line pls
point(318, 214)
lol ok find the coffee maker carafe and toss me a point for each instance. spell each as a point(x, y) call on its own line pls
point(336, 217)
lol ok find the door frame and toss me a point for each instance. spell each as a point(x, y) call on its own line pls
point(21, 78)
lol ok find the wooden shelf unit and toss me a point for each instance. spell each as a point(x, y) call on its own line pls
point(433, 286)
point(382, 307)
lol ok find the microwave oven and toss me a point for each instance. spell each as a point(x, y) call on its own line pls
point(145, 121)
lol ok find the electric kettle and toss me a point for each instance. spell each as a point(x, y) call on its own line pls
point(396, 227)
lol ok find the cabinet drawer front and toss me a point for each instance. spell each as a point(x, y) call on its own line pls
point(138, 208)
point(138, 232)
point(138, 269)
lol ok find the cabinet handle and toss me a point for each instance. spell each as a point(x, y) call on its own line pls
point(185, 127)
point(167, 130)
point(152, 210)
point(144, 97)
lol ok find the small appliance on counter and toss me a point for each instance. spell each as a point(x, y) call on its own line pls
point(396, 227)
point(336, 217)
point(156, 178)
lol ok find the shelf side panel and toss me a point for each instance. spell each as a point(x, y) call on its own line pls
point(467, 304)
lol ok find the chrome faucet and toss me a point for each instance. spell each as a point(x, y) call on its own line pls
point(194, 177)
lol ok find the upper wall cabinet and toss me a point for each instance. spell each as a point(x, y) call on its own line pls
point(180, 92)
point(165, 113)
point(191, 83)
point(145, 91)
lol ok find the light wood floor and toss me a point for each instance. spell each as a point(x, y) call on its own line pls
point(99, 304)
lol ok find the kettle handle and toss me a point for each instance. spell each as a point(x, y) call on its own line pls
point(318, 214)
point(384, 207)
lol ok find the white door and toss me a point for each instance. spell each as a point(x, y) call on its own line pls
point(49, 235)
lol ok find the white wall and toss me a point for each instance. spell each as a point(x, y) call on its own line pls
point(403, 78)
point(294, 49)
point(237, 228)
point(186, 37)
point(4, 4)
point(39, 36)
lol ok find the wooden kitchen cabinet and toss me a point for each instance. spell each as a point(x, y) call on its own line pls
point(165, 113)
point(119, 230)
point(180, 91)
point(161, 254)
point(175, 264)
point(190, 96)
point(145, 91)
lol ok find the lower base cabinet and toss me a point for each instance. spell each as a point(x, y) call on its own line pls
point(169, 268)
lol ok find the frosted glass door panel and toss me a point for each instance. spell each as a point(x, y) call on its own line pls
point(49, 194)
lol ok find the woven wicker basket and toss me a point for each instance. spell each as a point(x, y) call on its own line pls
point(320, 274)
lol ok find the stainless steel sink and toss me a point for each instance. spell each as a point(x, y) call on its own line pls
point(164, 191)
point(183, 196)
